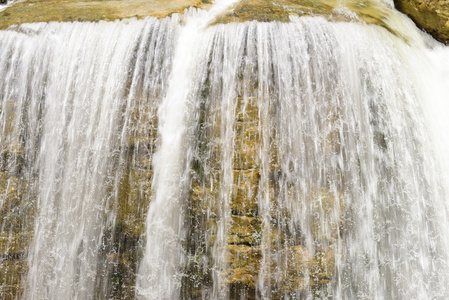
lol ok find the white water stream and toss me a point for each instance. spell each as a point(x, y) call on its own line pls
point(341, 126)
point(159, 272)
point(4, 6)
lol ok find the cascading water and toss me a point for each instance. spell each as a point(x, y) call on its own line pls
point(172, 159)
point(159, 274)
point(5, 5)
point(74, 123)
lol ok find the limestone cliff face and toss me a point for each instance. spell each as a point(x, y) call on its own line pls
point(430, 15)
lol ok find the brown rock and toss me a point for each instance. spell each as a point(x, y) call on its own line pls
point(244, 264)
point(244, 192)
point(430, 15)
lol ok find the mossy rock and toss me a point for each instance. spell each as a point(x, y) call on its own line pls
point(365, 11)
point(246, 155)
point(244, 264)
point(434, 20)
point(11, 273)
point(244, 230)
point(323, 266)
point(13, 245)
point(326, 211)
point(298, 266)
point(133, 204)
point(17, 220)
point(247, 109)
point(32, 11)
point(121, 241)
point(244, 192)
point(123, 274)
point(246, 145)
point(292, 269)
point(281, 10)
point(267, 10)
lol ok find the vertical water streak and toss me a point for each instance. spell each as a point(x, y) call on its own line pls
point(62, 112)
point(159, 271)
point(25, 77)
point(148, 72)
point(163, 250)
point(346, 188)
point(315, 150)
point(76, 161)
point(77, 114)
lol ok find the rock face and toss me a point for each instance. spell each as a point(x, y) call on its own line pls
point(31, 11)
point(248, 233)
point(430, 15)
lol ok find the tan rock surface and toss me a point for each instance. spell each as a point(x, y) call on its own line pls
point(430, 15)
point(30, 11)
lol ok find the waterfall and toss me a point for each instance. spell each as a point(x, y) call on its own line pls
point(5, 5)
point(159, 269)
point(176, 159)
point(67, 86)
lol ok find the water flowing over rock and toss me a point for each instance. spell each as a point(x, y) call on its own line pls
point(430, 15)
point(191, 158)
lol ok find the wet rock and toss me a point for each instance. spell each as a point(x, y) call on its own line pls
point(294, 270)
point(430, 15)
point(11, 273)
point(281, 10)
point(266, 11)
point(121, 242)
point(244, 192)
point(244, 230)
point(323, 265)
point(31, 11)
point(244, 264)
point(16, 232)
point(13, 245)
point(247, 134)
point(298, 266)
point(326, 215)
